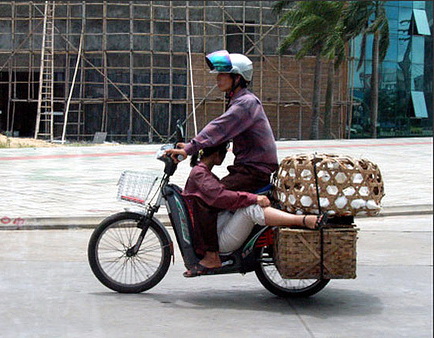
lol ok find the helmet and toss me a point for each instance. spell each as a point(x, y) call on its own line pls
point(223, 62)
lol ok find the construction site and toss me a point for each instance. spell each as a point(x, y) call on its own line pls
point(129, 70)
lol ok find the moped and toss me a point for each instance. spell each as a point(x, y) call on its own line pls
point(131, 251)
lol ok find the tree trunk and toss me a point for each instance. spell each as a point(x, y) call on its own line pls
point(314, 131)
point(329, 100)
point(374, 84)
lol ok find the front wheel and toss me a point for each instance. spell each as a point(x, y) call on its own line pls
point(270, 278)
point(110, 258)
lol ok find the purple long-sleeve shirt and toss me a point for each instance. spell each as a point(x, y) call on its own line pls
point(246, 124)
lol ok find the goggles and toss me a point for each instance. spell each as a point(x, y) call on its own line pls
point(219, 61)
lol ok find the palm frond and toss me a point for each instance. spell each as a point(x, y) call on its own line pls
point(384, 40)
point(362, 52)
point(356, 18)
point(279, 6)
point(310, 46)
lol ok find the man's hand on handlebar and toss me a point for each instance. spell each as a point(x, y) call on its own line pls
point(177, 154)
point(263, 201)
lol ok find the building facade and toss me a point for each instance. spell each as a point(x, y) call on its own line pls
point(406, 75)
point(142, 63)
point(142, 67)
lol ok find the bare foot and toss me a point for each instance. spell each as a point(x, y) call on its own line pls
point(211, 260)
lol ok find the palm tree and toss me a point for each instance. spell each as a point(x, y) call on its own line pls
point(369, 17)
point(313, 24)
point(335, 51)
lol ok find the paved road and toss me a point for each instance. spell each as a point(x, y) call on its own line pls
point(48, 290)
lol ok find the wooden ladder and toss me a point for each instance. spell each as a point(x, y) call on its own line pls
point(45, 112)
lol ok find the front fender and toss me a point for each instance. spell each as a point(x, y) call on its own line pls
point(172, 250)
point(156, 221)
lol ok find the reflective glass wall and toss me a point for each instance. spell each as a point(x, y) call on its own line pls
point(405, 105)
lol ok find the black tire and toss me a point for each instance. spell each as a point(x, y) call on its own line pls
point(108, 260)
point(271, 279)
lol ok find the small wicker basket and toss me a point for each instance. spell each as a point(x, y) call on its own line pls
point(297, 253)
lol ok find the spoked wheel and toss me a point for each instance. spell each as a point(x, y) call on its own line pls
point(112, 259)
point(270, 278)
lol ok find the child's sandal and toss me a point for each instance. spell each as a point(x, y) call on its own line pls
point(321, 220)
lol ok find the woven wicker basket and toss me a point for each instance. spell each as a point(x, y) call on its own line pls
point(347, 186)
point(298, 253)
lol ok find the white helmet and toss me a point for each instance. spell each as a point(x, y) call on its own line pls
point(223, 62)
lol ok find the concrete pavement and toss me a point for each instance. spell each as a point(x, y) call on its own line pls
point(66, 187)
point(48, 290)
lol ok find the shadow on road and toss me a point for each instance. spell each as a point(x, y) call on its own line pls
point(327, 304)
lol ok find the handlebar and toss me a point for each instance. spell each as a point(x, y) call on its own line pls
point(170, 164)
point(180, 158)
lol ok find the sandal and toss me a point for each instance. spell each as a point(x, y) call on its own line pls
point(198, 270)
point(320, 221)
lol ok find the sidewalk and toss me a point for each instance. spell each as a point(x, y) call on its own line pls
point(66, 187)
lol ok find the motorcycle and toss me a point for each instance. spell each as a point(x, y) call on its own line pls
point(130, 252)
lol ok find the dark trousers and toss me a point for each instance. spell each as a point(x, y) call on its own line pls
point(245, 178)
point(204, 220)
point(240, 178)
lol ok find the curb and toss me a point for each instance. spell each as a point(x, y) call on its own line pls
point(90, 222)
point(407, 210)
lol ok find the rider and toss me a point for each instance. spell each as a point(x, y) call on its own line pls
point(229, 216)
point(244, 122)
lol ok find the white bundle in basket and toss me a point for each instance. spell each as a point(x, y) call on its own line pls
point(346, 186)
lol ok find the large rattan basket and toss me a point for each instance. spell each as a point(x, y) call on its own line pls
point(297, 253)
point(347, 186)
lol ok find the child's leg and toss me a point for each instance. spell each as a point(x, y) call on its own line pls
point(236, 230)
point(276, 217)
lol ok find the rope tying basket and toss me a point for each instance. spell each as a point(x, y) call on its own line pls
point(347, 186)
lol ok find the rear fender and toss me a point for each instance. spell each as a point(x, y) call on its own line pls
point(251, 244)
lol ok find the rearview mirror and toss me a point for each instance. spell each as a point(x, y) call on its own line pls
point(180, 137)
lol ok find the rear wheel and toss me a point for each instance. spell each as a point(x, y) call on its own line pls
point(271, 279)
point(111, 260)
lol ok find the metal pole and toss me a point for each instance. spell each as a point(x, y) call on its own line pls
point(187, 23)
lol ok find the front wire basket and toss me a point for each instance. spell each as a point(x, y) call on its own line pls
point(136, 187)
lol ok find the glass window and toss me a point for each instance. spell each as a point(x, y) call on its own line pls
point(419, 4)
point(419, 104)
point(405, 19)
point(403, 48)
point(358, 77)
point(406, 3)
point(369, 45)
point(391, 10)
point(417, 73)
point(392, 3)
point(392, 51)
point(393, 25)
point(422, 26)
point(362, 77)
point(417, 49)
point(355, 50)
point(388, 75)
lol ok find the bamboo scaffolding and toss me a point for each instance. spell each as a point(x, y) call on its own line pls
point(136, 73)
